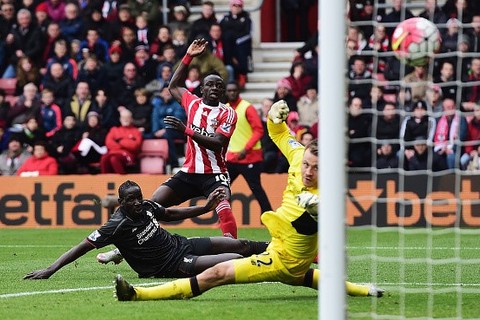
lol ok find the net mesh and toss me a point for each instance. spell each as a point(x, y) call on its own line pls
point(413, 208)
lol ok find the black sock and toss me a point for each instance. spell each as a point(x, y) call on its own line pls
point(194, 285)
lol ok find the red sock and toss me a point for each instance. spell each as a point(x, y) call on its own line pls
point(227, 220)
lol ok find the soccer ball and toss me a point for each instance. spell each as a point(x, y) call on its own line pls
point(415, 40)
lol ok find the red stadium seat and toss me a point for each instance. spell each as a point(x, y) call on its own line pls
point(153, 156)
point(8, 85)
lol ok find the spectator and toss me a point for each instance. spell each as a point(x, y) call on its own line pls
point(123, 89)
point(158, 44)
point(359, 127)
point(217, 45)
point(114, 66)
point(95, 21)
point(417, 82)
point(474, 34)
point(146, 66)
point(308, 107)
point(397, 15)
point(458, 9)
point(236, 28)
point(433, 12)
point(127, 44)
point(293, 124)
point(376, 100)
point(13, 158)
point(298, 79)
point(450, 38)
point(62, 144)
point(386, 157)
point(94, 74)
point(95, 45)
point(422, 157)
point(51, 113)
point(149, 8)
point(72, 24)
point(359, 75)
point(164, 105)
point(4, 109)
point(169, 55)
point(244, 155)
point(53, 34)
point(306, 138)
point(273, 159)
point(92, 144)
point(446, 75)
point(420, 123)
point(180, 19)
point(123, 144)
point(7, 20)
point(124, 20)
point(60, 83)
point(41, 16)
point(283, 91)
point(180, 44)
point(39, 164)
point(365, 15)
point(142, 112)
point(31, 132)
point(193, 81)
point(434, 100)
point(471, 94)
point(379, 43)
point(62, 56)
point(80, 103)
point(26, 72)
point(387, 127)
point(24, 39)
point(201, 27)
point(472, 141)
point(164, 74)
point(142, 30)
point(450, 130)
point(106, 110)
point(56, 9)
point(28, 105)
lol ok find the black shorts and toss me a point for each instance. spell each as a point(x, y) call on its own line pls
point(194, 247)
point(191, 185)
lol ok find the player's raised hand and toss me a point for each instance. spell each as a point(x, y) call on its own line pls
point(38, 274)
point(278, 111)
point(197, 47)
point(172, 122)
point(215, 198)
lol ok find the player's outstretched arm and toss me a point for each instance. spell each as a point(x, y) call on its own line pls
point(69, 256)
point(175, 214)
point(177, 83)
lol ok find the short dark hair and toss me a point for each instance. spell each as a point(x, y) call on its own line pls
point(313, 147)
point(122, 189)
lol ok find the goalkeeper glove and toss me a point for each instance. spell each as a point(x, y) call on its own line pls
point(309, 201)
point(278, 112)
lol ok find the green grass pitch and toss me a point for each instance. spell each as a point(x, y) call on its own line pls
point(84, 289)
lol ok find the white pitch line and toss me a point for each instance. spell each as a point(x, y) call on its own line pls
point(33, 293)
point(391, 285)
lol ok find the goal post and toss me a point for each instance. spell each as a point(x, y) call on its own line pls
point(332, 172)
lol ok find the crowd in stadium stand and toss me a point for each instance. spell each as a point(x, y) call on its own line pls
point(90, 80)
point(416, 118)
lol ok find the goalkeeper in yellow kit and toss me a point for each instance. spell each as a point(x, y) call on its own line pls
point(293, 228)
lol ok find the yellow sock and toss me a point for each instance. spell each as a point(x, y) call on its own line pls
point(357, 290)
point(178, 289)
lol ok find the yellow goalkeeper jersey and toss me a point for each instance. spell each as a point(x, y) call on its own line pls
point(290, 223)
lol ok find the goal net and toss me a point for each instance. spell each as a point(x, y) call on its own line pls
point(413, 192)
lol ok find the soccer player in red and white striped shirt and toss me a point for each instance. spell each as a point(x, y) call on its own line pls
point(210, 125)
